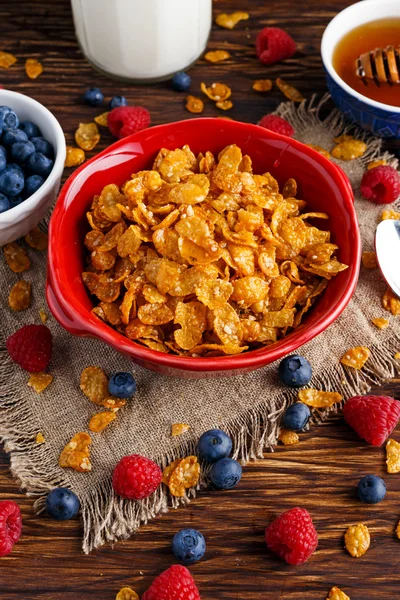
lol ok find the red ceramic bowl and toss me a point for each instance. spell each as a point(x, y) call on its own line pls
point(320, 183)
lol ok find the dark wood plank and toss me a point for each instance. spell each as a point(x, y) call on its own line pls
point(319, 474)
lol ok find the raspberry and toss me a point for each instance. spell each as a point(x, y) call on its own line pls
point(176, 583)
point(125, 120)
point(31, 347)
point(381, 185)
point(273, 45)
point(372, 417)
point(277, 124)
point(136, 477)
point(292, 536)
point(10, 526)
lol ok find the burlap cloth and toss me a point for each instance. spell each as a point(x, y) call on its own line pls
point(249, 407)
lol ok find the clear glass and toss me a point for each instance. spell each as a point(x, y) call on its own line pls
point(142, 40)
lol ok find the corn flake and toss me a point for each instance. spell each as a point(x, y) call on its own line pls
point(391, 302)
point(94, 384)
point(376, 163)
point(102, 119)
point(357, 540)
point(380, 323)
point(398, 530)
point(128, 594)
point(74, 157)
point(7, 60)
point(217, 56)
point(393, 456)
point(224, 104)
point(76, 454)
point(33, 68)
point(356, 357)
point(318, 398)
point(230, 20)
point(320, 150)
point(369, 260)
point(192, 318)
point(16, 257)
point(179, 428)
point(349, 150)
point(40, 439)
point(43, 316)
point(194, 104)
point(101, 420)
point(397, 356)
point(40, 381)
point(289, 91)
point(389, 213)
point(262, 85)
point(87, 136)
point(337, 594)
point(37, 239)
point(20, 295)
point(288, 438)
point(216, 91)
point(186, 475)
point(167, 472)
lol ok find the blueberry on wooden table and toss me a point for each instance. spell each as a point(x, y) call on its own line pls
point(296, 416)
point(62, 504)
point(189, 546)
point(117, 101)
point(181, 81)
point(225, 473)
point(93, 96)
point(371, 489)
point(214, 445)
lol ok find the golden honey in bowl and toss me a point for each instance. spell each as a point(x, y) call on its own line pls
point(365, 39)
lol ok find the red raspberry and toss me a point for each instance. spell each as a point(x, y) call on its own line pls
point(372, 417)
point(176, 583)
point(31, 347)
point(10, 526)
point(381, 185)
point(277, 124)
point(292, 536)
point(125, 120)
point(136, 477)
point(273, 45)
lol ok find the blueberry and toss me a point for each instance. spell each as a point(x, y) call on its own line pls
point(225, 473)
point(213, 445)
point(43, 146)
point(31, 129)
point(11, 136)
point(39, 164)
point(122, 385)
point(294, 371)
point(117, 101)
point(8, 117)
point(5, 203)
point(296, 416)
point(3, 158)
point(62, 504)
point(189, 546)
point(20, 151)
point(11, 181)
point(181, 81)
point(371, 489)
point(93, 96)
point(32, 184)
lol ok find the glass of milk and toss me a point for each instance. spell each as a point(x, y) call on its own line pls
point(142, 41)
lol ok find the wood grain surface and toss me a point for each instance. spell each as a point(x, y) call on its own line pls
point(321, 473)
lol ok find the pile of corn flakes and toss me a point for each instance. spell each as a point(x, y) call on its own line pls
point(201, 257)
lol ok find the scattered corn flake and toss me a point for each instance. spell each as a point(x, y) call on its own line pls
point(128, 594)
point(349, 150)
point(318, 398)
point(357, 540)
point(194, 104)
point(337, 594)
point(356, 357)
point(7, 60)
point(345, 137)
point(224, 104)
point(94, 384)
point(76, 454)
point(43, 316)
point(20, 295)
point(74, 157)
point(369, 260)
point(40, 381)
point(288, 438)
point(167, 472)
point(179, 428)
point(380, 323)
point(397, 356)
point(186, 475)
point(398, 530)
point(112, 403)
point(217, 56)
point(102, 119)
point(262, 85)
point(320, 150)
point(376, 163)
point(99, 421)
point(16, 257)
point(230, 20)
point(389, 213)
point(87, 136)
point(33, 68)
point(37, 239)
point(216, 91)
point(40, 439)
point(289, 91)
point(393, 456)
point(391, 302)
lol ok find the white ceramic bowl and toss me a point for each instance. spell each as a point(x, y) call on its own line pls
point(378, 118)
point(18, 221)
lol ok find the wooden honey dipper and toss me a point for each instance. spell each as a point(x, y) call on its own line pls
point(381, 65)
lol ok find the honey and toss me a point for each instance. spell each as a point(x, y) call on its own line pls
point(365, 38)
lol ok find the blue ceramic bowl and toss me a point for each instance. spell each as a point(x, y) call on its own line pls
point(379, 119)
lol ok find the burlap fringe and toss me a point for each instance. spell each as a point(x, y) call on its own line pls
point(107, 518)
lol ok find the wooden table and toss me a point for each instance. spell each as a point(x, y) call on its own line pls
point(320, 474)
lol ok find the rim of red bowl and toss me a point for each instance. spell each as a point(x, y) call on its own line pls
point(86, 324)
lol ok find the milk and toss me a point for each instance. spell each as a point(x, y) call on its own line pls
point(142, 40)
